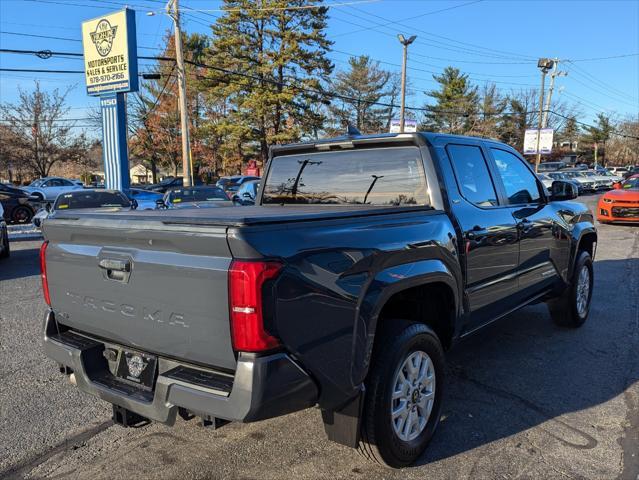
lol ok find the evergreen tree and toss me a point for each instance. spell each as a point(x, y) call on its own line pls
point(599, 134)
point(456, 103)
point(570, 132)
point(367, 84)
point(280, 50)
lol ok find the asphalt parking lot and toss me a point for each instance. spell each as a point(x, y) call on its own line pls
point(524, 399)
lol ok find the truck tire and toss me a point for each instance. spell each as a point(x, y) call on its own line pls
point(6, 253)
point(403, 394)
point(571, 309)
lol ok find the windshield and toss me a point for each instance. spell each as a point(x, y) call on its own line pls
point(631, 184)
point(185, 195)
point(84, 199)
point(381, 176)
point(559, 176)
point(37, 183)
point(167, 180)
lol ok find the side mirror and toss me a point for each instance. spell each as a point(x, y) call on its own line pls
point(134, 204)
point(617, 185)
point(561, 190)
point(48, 207)
point(159, 203)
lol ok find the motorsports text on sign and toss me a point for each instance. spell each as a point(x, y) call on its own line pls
point(110, 53)
point(545, 141)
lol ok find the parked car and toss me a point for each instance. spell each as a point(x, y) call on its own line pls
point(565, 178)
point(546, 180)
point(363, 260)
point(5, 248)
point(17, 208)
point(145, 199)
point(631, 171)
point(48, 189)
point(620, 204)
point(551, 166)
point(585, 184)
point(602, 182)
point(169, 183)
point(232, 184)
point(618, 170)
point(194, 197)
point(247, 193)
point(83, 199)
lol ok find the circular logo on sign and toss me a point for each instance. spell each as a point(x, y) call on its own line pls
point(103, 37)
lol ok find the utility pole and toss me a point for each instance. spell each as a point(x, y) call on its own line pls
point(405, 42)
point(544, 64)
point(173, 11)
point(555, 73)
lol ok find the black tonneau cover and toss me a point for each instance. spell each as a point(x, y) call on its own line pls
point(237, 216)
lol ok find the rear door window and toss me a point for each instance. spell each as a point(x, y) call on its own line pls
point(473, 177)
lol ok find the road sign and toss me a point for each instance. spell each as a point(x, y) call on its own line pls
point(545, 141)
point(409, 125)
point(110, 53)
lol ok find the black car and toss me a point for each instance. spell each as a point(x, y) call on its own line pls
point(15, 203)
point(169, 183)
point(4, 236)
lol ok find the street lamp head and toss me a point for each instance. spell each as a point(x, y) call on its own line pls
point(545, 64)
point(404, 41)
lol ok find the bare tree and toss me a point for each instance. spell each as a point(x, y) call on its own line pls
point(38, 135)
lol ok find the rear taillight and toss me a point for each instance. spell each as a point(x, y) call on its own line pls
point(246, 280)
point(43, 272)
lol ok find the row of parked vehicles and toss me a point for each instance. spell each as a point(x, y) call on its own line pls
point(36, 201)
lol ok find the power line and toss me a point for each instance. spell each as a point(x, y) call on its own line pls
point(50, 37)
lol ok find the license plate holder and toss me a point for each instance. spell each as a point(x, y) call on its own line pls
point(137, 368)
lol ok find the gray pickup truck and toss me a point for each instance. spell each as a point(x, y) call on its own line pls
point(364, 260)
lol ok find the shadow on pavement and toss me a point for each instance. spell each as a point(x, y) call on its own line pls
point(524, 371)
point(21, 263)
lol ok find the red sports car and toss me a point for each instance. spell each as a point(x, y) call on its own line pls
point(621, 204)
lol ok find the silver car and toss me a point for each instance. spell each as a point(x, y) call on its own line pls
point(48, 188)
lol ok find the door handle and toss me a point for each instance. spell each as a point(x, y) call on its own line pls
point(115, 264)
point(475, 232)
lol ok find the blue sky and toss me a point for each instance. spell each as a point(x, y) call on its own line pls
point(492, 40)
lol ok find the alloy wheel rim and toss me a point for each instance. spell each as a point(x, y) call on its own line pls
point(583, 290)
point(413, 395)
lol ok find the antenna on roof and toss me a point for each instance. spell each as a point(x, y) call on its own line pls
point(351, 131)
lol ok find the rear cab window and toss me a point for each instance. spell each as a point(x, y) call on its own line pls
point(374, 176)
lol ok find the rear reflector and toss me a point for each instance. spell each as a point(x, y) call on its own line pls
point(246, 280)
point(43, 272)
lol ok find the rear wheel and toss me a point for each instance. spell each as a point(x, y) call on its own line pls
point(403, 394)
point(21, 214)
point(571, 309)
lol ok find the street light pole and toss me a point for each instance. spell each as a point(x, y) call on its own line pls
point(553, 75)
point(172, 9)
point(405, 42)
point(544, 64)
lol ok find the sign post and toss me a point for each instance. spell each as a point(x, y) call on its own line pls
point(409, 125)
point(111, 70)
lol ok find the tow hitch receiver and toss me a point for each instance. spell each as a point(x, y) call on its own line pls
point(127, 418)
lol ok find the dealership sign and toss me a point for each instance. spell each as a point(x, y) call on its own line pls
point(545, 141)
point(409, 125)
point(110, 53)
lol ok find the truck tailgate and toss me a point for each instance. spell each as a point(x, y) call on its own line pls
point(147, 285)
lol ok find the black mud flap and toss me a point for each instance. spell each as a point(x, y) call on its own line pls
point(343, 426)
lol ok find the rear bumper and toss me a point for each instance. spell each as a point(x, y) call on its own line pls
point(262, 386)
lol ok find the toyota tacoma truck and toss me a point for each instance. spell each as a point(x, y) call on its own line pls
point(364, 260)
